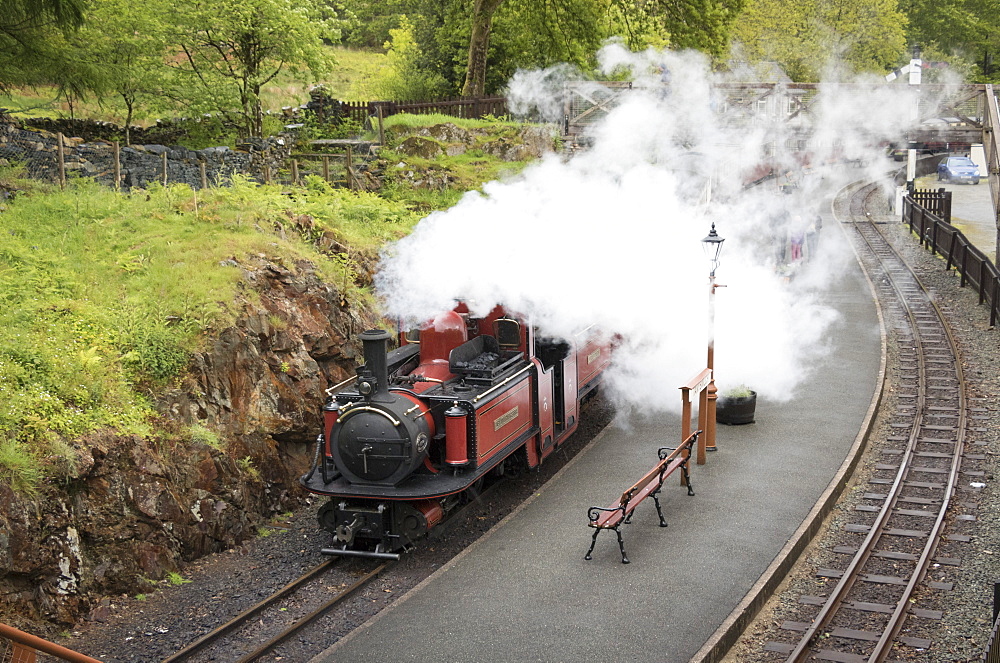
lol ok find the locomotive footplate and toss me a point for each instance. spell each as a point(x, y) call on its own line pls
point(416, 486)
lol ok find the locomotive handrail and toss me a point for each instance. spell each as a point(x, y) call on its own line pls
point(497, 386)
point(367, 408)
point(329, 392)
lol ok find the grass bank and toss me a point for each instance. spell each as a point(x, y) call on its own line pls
point(104, 296)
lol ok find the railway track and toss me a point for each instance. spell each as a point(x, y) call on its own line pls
point(873, 610)
point(263, 627)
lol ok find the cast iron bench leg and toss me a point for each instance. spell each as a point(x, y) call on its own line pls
point(593, 542)
point(621, 545)
point(659, 512)
point(687, 478)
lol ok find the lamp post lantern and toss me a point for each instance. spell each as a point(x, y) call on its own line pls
point(712, 244)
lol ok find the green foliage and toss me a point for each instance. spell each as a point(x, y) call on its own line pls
point(154, 351)
point(739, 391)
point(199, 434)
point(175, 579)
point(99, 307)
point(370, 22)
point(963, 33)
point(403, 76)
point(248, 468)
point(127, 41)
point(804, 38)
point(227, 50)
point(30, 41)
point(19, 468)
point(410, 121)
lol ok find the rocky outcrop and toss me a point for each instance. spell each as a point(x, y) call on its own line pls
point(133, 509)
point(503, 142)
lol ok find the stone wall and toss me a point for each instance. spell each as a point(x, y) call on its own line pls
point(140, 165)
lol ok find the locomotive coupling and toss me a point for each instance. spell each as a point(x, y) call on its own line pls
point(345, 533)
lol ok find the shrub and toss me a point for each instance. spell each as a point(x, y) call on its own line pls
point(19, 468)
point(740, 391)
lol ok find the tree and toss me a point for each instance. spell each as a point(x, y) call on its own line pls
point(966, 30)
point(703, 25)
point(403, 77)
point(555, 31)
point(127, 41)
point(226, 50)
point(870, 35)
point(479, 43)
point(27, 30)
point(803, 37)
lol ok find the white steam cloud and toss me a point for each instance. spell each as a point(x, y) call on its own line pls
point(610, 236)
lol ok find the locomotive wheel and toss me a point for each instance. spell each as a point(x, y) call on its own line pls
point(473, 492)
point(515, 464)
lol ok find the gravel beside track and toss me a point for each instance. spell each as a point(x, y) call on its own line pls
point(962, 633)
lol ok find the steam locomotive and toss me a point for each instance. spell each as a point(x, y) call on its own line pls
point(423, 425)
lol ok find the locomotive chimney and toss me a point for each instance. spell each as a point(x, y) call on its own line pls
point(376, 346)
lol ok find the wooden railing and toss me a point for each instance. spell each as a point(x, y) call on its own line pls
point(991, 148)
point(946, 240)
point(464, 107)
point(20, 647)
point(936, 202)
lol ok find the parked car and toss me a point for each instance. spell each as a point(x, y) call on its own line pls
point(958, 169)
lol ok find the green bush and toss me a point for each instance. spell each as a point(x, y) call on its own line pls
point(19, 468)
point(155, 353)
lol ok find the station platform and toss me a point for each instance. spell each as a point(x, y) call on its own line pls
point(524, 592)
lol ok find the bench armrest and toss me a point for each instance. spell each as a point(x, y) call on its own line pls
point(594, 512)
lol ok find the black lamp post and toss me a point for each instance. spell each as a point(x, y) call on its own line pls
point(712, 244)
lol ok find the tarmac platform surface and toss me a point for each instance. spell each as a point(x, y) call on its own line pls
point(524, 591)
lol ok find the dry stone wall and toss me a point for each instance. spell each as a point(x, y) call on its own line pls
point(139, 165)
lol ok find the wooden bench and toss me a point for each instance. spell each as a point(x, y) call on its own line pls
point(613, 517)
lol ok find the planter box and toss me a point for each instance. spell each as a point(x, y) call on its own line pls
point(736, 411)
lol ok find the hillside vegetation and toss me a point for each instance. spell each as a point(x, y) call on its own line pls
point(106, 294)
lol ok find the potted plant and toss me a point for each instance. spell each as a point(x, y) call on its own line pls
point(736, 406)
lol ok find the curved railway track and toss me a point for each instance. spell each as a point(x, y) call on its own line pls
point(866, 616)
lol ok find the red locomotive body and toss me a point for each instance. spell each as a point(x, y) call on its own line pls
point(426, 423)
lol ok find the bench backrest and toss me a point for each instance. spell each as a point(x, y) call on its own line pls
point(656, 476)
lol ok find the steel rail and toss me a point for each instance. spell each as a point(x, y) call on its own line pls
point(244, 616)
point(851, 573)
point(217, 634)
point(315, 614)
point(353, 589)
point(865, 550)
point(898, 617)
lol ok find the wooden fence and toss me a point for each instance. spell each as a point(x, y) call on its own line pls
point(463, 107)
point(946, 240)
point(937, 202)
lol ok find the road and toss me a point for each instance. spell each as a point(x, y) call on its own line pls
point(971, 211)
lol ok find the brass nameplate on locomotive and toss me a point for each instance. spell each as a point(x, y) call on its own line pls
point(594, 356)
point(506, 418)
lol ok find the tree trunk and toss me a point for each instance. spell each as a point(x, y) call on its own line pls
point(479, 44)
